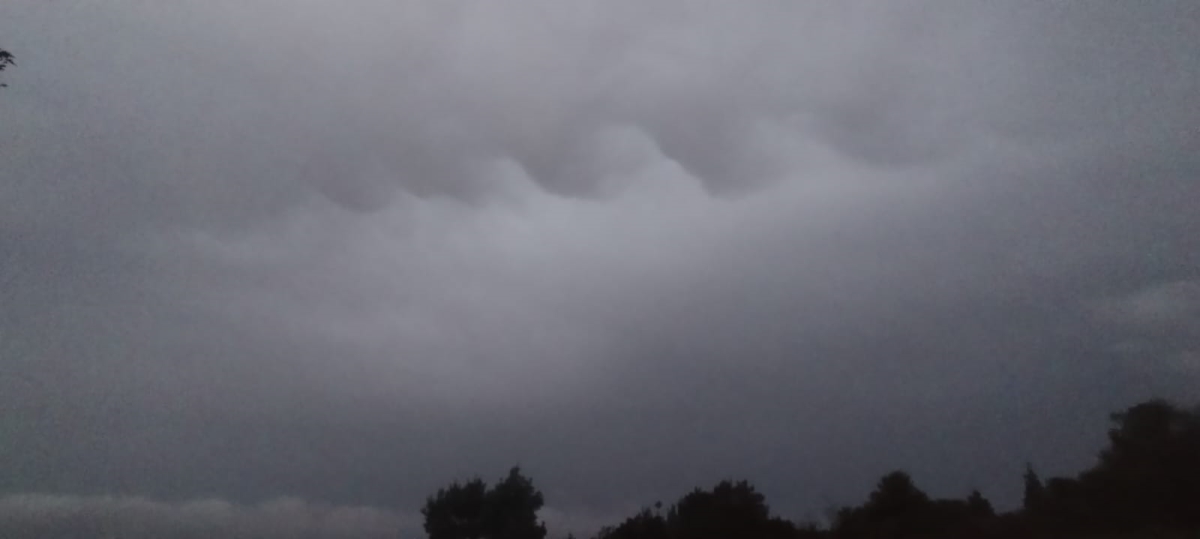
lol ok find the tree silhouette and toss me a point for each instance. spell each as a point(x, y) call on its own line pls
point(1150, 471)
point(896, 495)
point(457, 511)
point(897, 508)
point(510, 509)
point(6, 60)
point(471, 510)
point(1146, 483)
point(1034, 491)
point(1148, 477)
point(729, 510)
point(978, 506)
point(644, 525)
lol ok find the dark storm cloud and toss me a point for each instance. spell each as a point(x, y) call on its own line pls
point(350, 253)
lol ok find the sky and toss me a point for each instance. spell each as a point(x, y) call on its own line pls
point(291, 265)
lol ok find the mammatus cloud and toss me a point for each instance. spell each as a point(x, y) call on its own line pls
point(427, 97)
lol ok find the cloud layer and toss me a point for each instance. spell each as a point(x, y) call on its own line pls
point(44, 516)
point(349, 253)
point(50, 517)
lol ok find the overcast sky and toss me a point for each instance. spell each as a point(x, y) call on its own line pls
point(281, 263)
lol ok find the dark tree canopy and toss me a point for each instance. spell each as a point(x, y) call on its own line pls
point(1035, 491)
point(896, 495)
point(1148, 477)
point(472, 510)
point(1150, 472)
point(456, 512)
point(646, 524)
point(729, 509)
point(1145, 483)
point(510, 509)
point(897, 508)
point(978, 506)
point(6, 60)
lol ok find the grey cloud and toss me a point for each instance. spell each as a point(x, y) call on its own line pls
point(426, 109)
point(45, 516)
point(347, 254)
point(1159, 323)
point(28, 516)
point(1161, 306)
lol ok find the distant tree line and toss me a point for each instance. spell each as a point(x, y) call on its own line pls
point(1146, 484)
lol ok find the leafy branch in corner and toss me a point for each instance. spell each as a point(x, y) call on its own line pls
point(6, 59)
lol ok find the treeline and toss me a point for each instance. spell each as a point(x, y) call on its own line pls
point(1145, 484)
